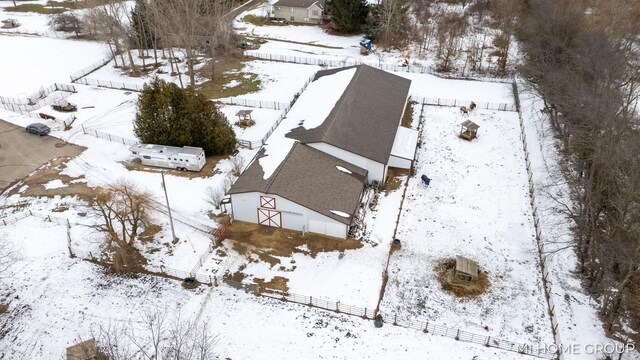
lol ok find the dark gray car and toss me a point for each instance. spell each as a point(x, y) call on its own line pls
point(38, 129)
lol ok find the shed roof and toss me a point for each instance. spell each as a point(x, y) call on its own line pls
point(405, 143)
point(470, 125)
point(310, 178)
point(365, 119)
point(300, 3)
point(466, 266)
point(244, 112)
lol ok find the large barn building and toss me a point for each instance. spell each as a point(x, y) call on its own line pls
point(309, 191)
point(342, 133)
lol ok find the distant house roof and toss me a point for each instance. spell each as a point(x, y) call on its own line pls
point(300, 3)
point(366, 118)
point(310, 178)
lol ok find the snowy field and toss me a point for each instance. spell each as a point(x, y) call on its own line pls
point(42, 61)
point(430, 86)
point(477, 206)
point(59, 300)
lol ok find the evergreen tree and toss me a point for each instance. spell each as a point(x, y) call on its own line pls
point(349, 16)
point(169, 115)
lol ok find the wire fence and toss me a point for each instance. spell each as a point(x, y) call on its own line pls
point(456, 103)
point(536, 222)
point(336, 63)
point(110, 84)
point(91, 68)
point(113, 138)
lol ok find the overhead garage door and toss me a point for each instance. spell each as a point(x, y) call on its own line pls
point(269, 217)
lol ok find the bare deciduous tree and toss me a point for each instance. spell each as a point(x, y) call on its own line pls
point(122, 213)
point(451, 27)
point(157, 337)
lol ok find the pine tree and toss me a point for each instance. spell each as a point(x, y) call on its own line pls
point(349, 16)
point(170, 115)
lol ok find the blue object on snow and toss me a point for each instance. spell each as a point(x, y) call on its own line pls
point(425, 179)
point(366, 43)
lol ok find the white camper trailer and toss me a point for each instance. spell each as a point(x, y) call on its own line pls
point(180, 158)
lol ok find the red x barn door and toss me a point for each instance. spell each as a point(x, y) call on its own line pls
point(269, 217)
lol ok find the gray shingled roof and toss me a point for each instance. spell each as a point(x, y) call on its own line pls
point(365, 119)
point(300, 3)
point(310, 178)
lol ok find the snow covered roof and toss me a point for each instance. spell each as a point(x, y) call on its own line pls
point(366, 117)
point(310, 111)
point(300, 3)
point(310, 178)
point(404, 145)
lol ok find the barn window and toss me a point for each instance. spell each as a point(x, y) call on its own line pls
point(267, 202)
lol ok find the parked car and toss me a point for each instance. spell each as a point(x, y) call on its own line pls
point(38, 129)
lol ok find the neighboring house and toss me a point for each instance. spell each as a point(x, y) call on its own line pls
point(363, 128)
point(300, 11)
point(309, 191)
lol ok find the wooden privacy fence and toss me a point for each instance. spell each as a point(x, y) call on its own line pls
point(350, 61)
point(551, 307)
point(113, 138)
point(456, 103)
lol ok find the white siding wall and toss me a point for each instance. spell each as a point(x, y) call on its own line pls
point(294, 216)
point(399, 162)
point(377, 171)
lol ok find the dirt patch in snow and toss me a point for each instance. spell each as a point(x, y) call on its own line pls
point(395, 178)
point(479, 286)
point(37, 180)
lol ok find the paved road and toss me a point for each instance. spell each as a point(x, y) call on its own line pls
point(21, 152)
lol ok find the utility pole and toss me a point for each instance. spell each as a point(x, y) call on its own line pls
point(164, 186)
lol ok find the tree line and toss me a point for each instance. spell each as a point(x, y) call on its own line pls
point(581, 57)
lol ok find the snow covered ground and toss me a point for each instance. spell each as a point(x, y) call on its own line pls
point(58, 300)
point(37, 61)
point(477, 206)
point(264, 118)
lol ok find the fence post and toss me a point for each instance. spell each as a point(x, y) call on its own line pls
point(488, 338)
point(457, 335)
point(395, 319)
point(426, 327)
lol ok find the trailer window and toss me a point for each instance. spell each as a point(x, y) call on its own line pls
point(146, 156)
